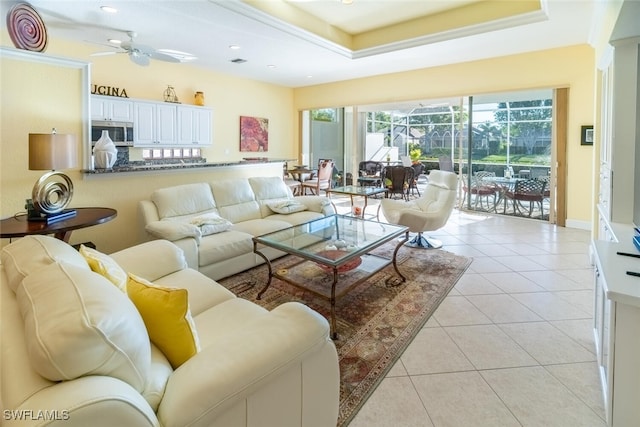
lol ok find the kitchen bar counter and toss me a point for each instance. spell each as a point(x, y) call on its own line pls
point(157, 166)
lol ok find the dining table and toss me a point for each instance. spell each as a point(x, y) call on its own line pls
point(297, 172)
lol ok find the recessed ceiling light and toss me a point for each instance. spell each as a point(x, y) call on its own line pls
point(115, 41)
point(234, 47)
point(271, 66)
point(109, 9)
point(309, 76)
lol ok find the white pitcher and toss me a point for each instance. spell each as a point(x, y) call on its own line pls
point(105, 152)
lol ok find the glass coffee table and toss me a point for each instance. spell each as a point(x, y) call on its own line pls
point(335, 255)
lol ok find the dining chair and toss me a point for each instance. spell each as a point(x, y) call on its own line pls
point(397, 180)
point(291, 182)
point(322, 179)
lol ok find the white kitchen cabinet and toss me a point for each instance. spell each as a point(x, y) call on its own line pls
point(111, 108)
point(617, 294)
point(194, 125)
point(618, 141)
point(155, 124)
point(616, 322)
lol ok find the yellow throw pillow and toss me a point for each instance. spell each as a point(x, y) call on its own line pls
point(166, 315)
point(105, 266)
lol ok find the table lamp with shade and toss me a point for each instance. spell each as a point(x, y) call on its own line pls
point(53, 191)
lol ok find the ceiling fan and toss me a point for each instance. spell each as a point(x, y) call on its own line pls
point(141, 54)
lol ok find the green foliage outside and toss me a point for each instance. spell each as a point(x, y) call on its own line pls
point(527, 124)
point(324, 115)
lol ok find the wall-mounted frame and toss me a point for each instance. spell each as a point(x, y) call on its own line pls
point(586, 135)
point(254, 134)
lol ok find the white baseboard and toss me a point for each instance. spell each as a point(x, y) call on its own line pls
point(582, 225)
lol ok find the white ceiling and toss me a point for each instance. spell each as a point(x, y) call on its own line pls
point(206, 29)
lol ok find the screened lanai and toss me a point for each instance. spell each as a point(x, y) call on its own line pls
point(496, 143)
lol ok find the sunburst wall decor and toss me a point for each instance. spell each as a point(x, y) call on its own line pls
point(26, 28)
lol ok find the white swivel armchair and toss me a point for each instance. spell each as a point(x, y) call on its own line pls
point(428, 213)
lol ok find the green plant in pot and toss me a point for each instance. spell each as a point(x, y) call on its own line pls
point(415, 155)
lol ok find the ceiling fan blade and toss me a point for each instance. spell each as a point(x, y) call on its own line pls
point(104, 53)
point(139, 58)
point(163, 57)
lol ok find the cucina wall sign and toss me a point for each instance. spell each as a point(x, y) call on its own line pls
point(109, 91)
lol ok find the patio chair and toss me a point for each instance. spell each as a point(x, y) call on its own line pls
point(369, 173)
point(526, 190)
point(480, 189)
point(546, 194)
point(418, 171)
point(322, 179)
point(429, 212)
point(445, 163)
point(397, 180)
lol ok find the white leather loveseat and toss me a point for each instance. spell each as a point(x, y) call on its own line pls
point(76, 351)
point(251, 207)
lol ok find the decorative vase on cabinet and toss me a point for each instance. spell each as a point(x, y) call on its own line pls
point(199, 98)
point(105, 152)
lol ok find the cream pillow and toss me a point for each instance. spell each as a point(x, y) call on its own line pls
point(30, 253)
point(211, 224)
point(77, 323)
point(105, 266)
point(166, 315)
point(286, 207)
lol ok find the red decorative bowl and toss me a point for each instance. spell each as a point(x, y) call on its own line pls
point(335, 254)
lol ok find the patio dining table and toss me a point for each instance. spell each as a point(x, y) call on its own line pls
point(503, 184)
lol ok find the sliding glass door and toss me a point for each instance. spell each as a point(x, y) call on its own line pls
point(511, 141)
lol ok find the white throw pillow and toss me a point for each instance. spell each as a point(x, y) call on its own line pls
point(77, 323)
point(286, 207)
point(173, 230)
point(211, 224)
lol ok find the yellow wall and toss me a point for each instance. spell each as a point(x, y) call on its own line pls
point(35, 100)
point(571, 67)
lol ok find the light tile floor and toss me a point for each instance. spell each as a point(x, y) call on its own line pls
point(511, 345)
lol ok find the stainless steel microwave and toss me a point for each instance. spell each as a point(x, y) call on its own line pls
point(121, 133)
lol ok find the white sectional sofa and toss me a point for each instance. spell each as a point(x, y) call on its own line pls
point(78, 350)
point(182, 214)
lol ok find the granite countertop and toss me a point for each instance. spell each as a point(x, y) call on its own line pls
point(141, 166)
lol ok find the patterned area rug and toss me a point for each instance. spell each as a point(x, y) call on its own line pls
point(376, 320)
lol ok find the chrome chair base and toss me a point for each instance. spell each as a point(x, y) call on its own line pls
point(419, 241)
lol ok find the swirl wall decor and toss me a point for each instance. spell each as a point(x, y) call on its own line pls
point(26, 28)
